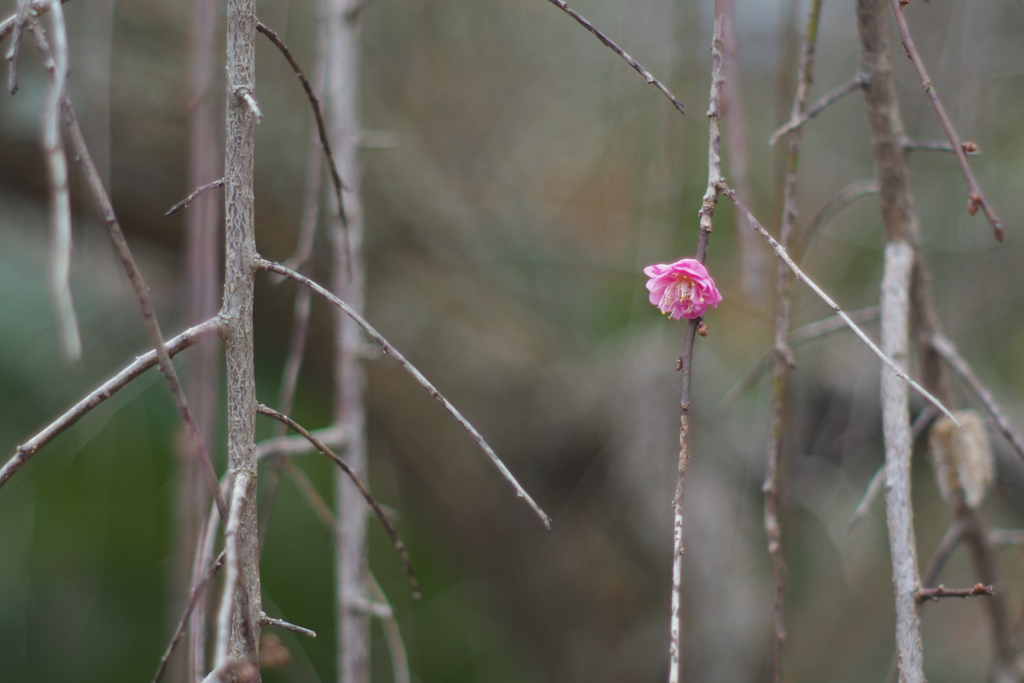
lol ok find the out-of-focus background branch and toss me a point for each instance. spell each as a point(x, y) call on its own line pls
point(518, 176)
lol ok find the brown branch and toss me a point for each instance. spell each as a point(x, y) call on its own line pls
point(975, 199)
point(783, 358)
point(796, 120)
point(728, 192)
point(942, 592)
point(210, 328)
point(321, 127)
point(651, 80)
point(319, 445)
point(706, 215)
point(970, 148)
point(179, 633)
point(138, 282)
point(183, 204)
point(830, 208)
point(947, 349)
point(263, 264)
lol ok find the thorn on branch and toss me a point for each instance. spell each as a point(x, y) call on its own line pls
point(288, 626)
point(183, 204)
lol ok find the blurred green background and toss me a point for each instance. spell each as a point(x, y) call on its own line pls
point(528, 175)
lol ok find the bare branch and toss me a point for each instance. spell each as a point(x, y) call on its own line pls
point(947, 349)
point(263, 264)
point(950, 540)
point(57, 172)
point(20, 19)
point(321, 127)
point(37, 9)
point(309, 492)
point(797, 120)
point(197, 592)
point(728, 192)
point(211, 328)
point(1006, 537)
point(399, 546)
point(295, 445)
point(288, 626)
point(975, 199)
point(706, 214)
point(138, 282)
point(651, 80)
point(233, 588)
point(183, 204)
point(970, 148)
point(942, 592)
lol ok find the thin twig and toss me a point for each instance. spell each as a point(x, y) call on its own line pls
point(875, 485)
point(975, 199)
point(197, 592)
point(970, 148)
point(926, 594)
point(263, 264)
point(38, 8)
point(138, 282)
point(783, 358)
point(950, 540)
point(210, 328)
point(295, 445)
point(319, 445)
point(183, 204)
point(1006, 536)
point(309, 492)
point(705, 215)
point(60, 197)
point(798, 120)
point(392, 634)
point(651, 80)
point(830, 208)
point(288, 626)
point(728, 192)
point(20, 18)
point(321, 127)
point(232, 585)
point(947, 349)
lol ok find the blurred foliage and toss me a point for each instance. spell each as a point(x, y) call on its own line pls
point(533, 175)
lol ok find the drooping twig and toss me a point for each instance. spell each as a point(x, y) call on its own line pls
point(728, 192)
point(706, 214)
point(620, 52)
point(942, 592)
point(975, 199)
point(895, 303)
point(57, 172)
point(294, 445)
point(197, 593)
point(399, 546)
point(321, 127)
point(183, 204)
point(783, 359)
point(263, 264)
point(288, 626)
point(798, 120)
point(947, 349)
point(830, 208)
point(99, 193)
point(210, 328)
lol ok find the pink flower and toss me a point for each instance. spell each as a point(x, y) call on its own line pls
point(682, 289)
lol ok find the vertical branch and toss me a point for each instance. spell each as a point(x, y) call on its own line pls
point(706, 214)
point(783, 359)
point(240, 253)
point(60, 198)
point(201, 252)
point(895, 304)
point(753, 260)
point(340, 34)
